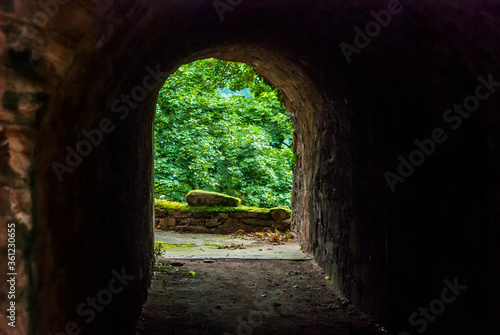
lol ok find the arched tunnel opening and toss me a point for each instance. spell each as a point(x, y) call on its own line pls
point(396, 187)
point(221, 127)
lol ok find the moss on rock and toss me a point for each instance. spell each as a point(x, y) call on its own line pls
point(204, 198)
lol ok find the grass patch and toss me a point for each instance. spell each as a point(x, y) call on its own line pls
point(160, 247)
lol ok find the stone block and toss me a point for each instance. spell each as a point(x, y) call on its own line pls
point(213, 223)
point(280, 214)
point(170, 222)
point(230, 226)
point(282, 225)
point(182, 222)
point(180, 215)
point(223, 216)
point(201, 215)
point(244, 215)
point(196, 221)
point(264, 216)
point(162, 223)
point(159, 213)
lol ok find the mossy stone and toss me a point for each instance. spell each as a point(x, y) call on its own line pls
point(204, 198)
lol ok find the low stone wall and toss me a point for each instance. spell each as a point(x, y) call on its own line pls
point(221, 223)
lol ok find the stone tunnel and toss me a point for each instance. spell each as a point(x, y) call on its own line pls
point(396, 119)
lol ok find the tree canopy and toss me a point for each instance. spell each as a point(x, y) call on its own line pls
point(220, 127)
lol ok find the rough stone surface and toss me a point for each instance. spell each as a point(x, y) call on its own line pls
point(218, 223)
point(159, 213)
point(179, 214)
point(241, 215)
point(388, 252)
point(170, 222)
point(213, 223)
point(280, 214)
point(282, 225)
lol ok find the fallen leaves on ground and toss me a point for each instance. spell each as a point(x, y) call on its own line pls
point(276, 237)
point(233, 246)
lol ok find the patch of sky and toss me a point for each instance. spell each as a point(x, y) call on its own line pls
point(226, 92)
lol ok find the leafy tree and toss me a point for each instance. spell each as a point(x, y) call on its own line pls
point(220, 127)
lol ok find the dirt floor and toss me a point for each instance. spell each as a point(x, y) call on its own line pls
point(227, 296)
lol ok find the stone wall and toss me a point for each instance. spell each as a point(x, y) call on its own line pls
point(221, 223)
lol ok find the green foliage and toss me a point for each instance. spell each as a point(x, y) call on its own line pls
point(220, 127)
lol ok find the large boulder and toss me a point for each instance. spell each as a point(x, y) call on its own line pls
point(203, 198)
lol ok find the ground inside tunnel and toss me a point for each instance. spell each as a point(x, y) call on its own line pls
point(263, 288)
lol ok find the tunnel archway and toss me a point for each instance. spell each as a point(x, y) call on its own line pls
point(389, 252)
point(316, 118)
point(302, 98)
